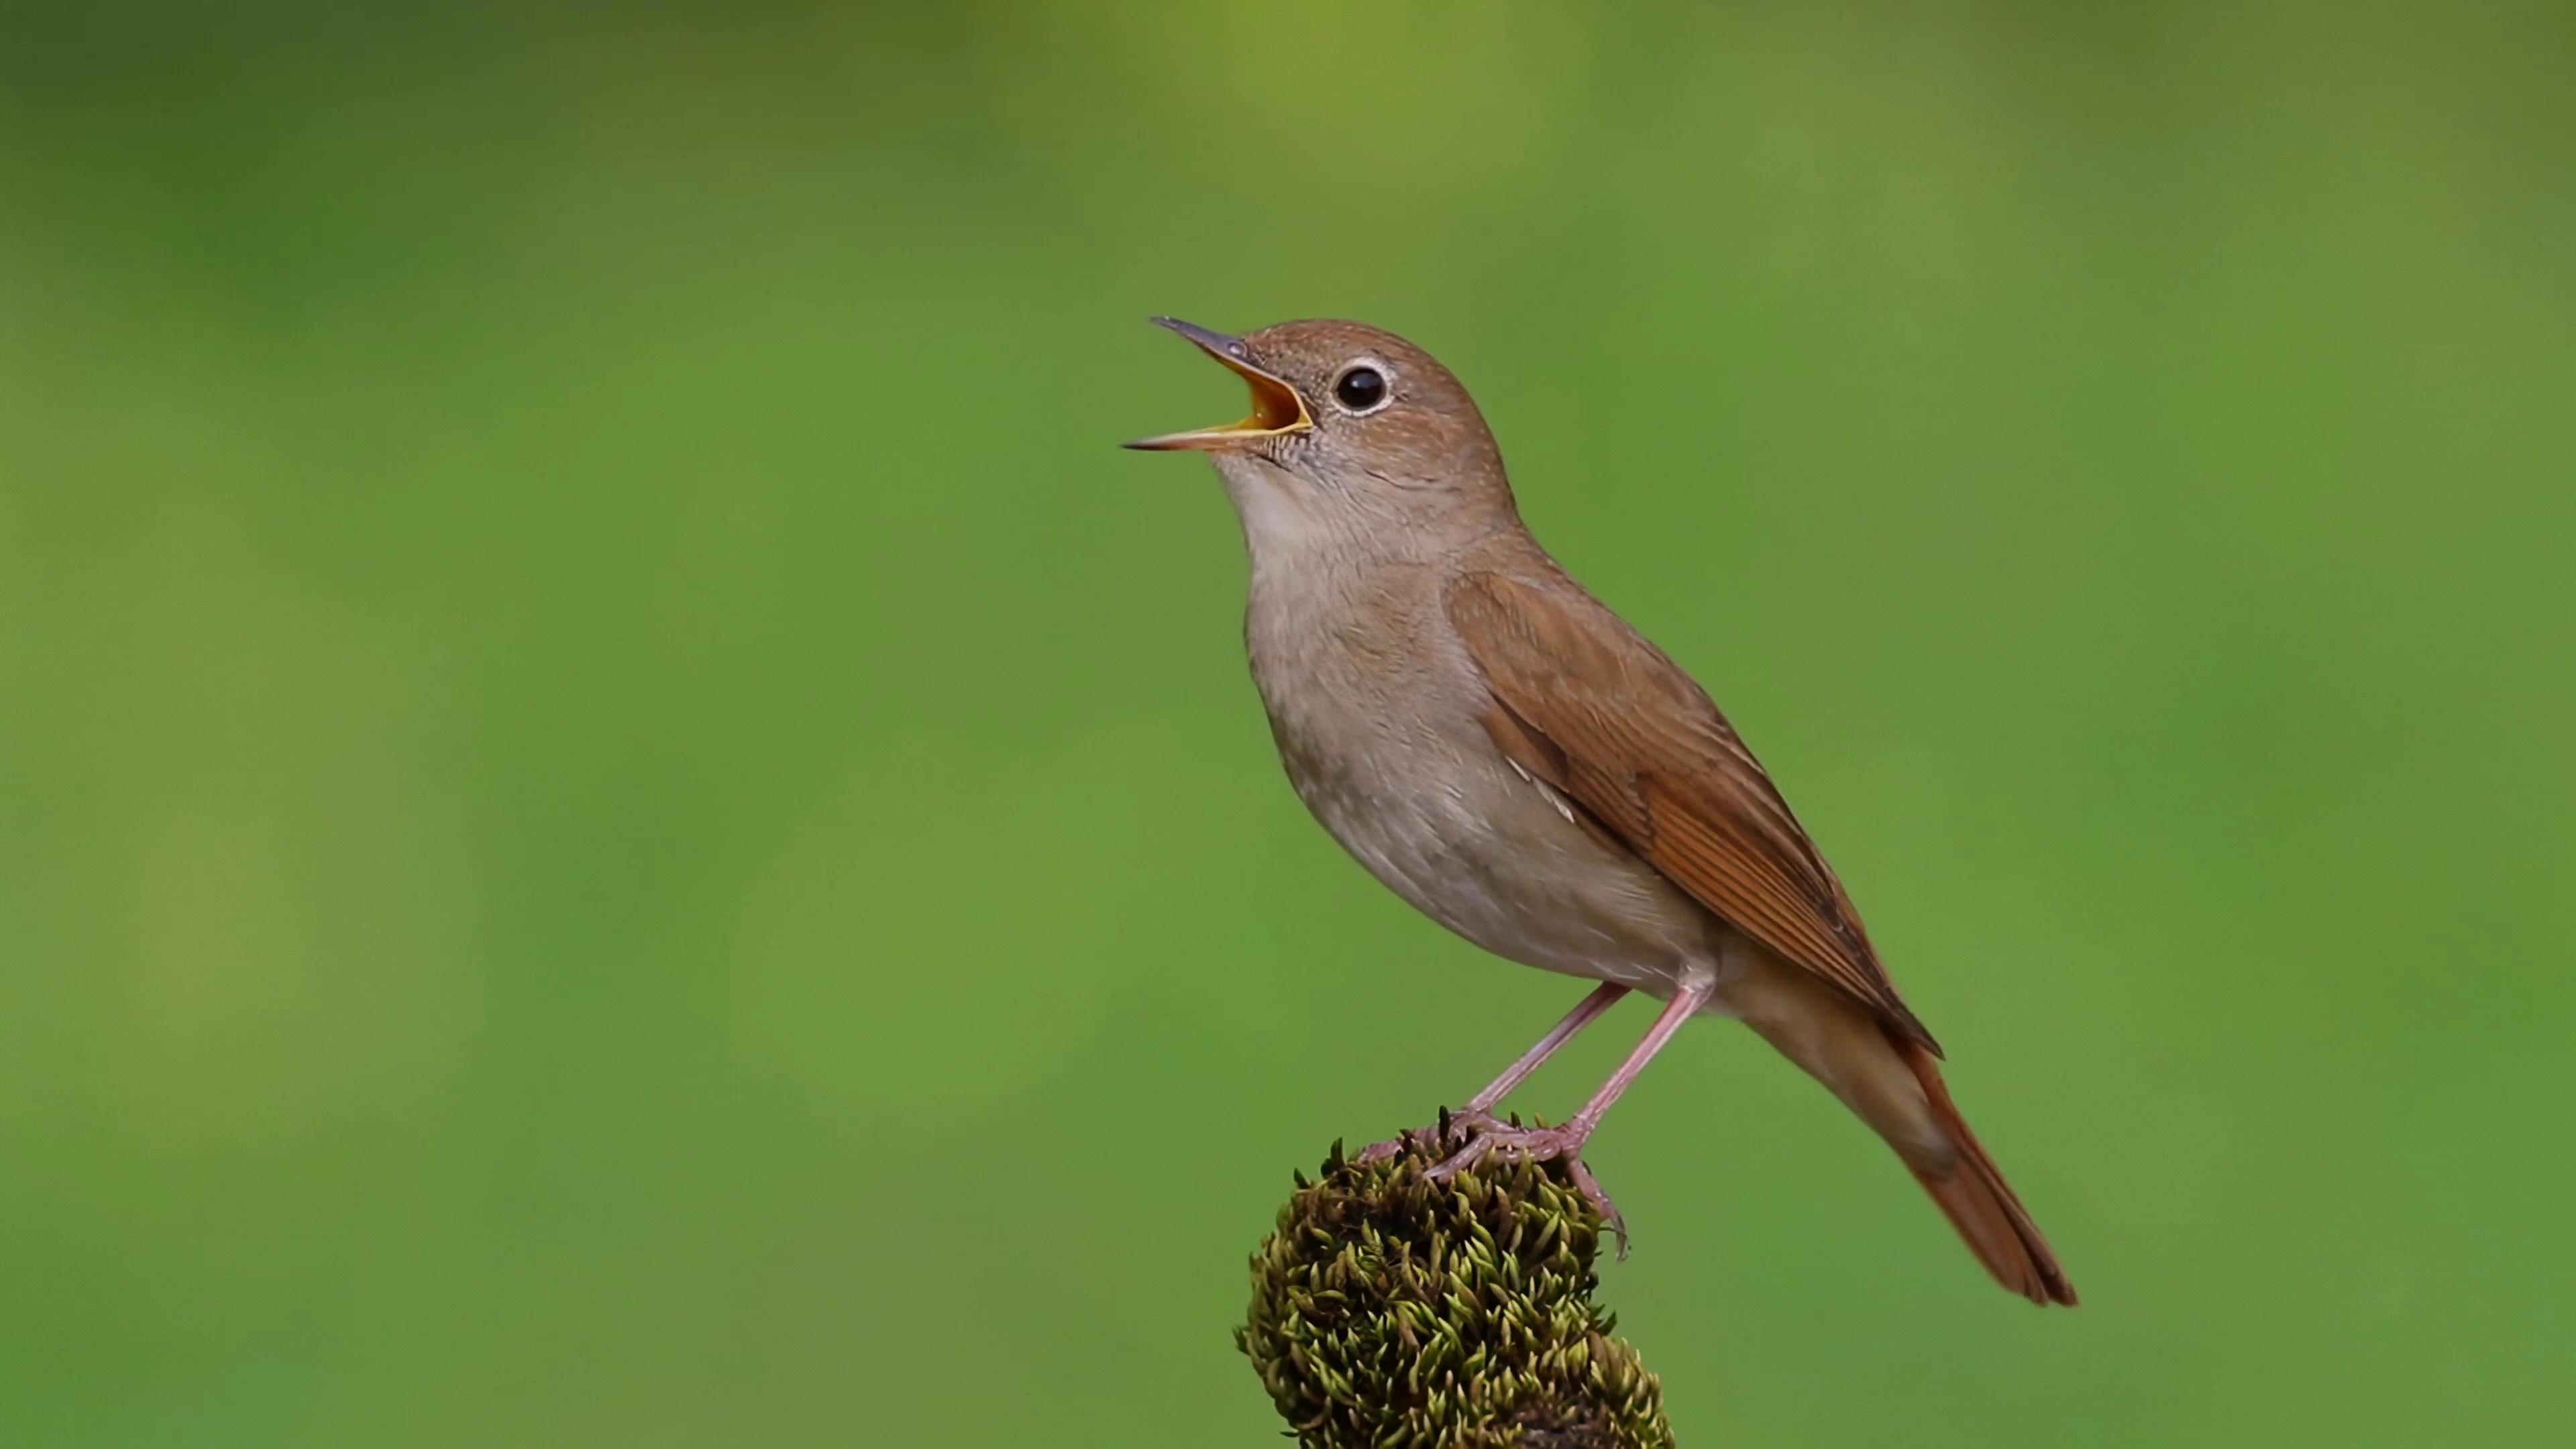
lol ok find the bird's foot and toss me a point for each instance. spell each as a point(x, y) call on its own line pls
point(1453, 1127)
point(1470, 1135)
point(1539, 1144)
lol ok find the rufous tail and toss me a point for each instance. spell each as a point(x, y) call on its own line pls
point(1894, 1083)
point(1973, 1195)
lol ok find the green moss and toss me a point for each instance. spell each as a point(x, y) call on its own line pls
point(1391, 1310)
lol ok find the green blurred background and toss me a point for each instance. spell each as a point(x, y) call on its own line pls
point(620, 825)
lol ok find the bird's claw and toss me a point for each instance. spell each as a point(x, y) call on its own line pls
point(1539, 1144)
point(1479, 1135)
point(1465, 1124)
point(1601, 1203)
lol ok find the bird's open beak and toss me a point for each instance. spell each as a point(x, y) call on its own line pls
point(1276, 408)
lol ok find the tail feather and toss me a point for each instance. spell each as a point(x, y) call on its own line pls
point(1972, 1193)
point(1895, 1085)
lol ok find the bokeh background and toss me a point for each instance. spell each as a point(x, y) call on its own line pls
point(620, 825)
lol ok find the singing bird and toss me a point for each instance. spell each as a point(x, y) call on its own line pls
point(1509, 756)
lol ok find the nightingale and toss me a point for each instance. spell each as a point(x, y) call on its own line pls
point(1505, 753)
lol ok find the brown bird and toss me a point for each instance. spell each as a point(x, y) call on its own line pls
point(1500, 749)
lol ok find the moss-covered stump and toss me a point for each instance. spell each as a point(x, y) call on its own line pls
point(1392, 1310)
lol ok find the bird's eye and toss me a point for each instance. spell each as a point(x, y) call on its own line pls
point(1361, 389)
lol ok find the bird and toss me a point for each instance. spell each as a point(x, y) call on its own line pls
point(1509, 756)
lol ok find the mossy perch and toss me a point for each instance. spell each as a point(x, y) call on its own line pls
point(1392, 1310)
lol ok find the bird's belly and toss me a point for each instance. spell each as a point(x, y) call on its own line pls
point(1487, 852)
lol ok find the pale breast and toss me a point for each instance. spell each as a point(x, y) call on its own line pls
point(1378, 718)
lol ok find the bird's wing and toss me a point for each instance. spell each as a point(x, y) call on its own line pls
point(1663, 772)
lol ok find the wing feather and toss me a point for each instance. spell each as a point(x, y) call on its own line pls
point(1663, 773)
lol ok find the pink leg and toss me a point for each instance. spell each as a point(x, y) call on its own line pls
point(1585, 1012)
point(1675, 1012)
point(1479, 1111)
point(1543, 1143)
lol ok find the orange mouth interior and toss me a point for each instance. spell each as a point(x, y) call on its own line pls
point(1275, 405)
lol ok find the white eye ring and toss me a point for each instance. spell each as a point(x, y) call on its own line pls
point(1363, 387)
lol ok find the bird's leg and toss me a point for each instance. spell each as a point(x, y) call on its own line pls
point(1478, 1114)
point(1544, 1143)
point(1585, 1012)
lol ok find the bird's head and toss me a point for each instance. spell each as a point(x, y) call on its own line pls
point(1345, 412)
